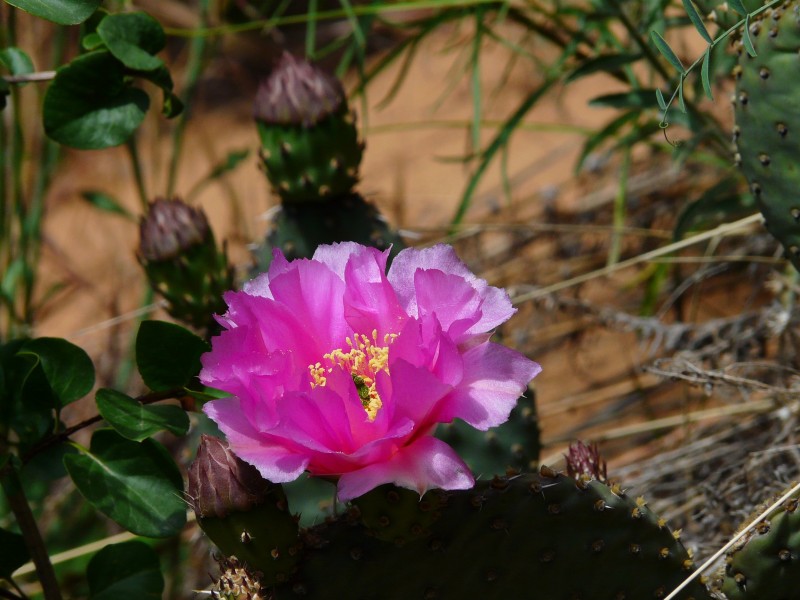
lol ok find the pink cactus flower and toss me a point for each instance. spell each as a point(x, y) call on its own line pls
point(340, 369)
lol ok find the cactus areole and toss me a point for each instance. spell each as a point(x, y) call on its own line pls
point(342, 369)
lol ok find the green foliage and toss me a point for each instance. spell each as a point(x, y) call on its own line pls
point(68, 369)
point(136, 421)
point(138, 485)
point(167, 355)
point(14, 553)
point(126, 571)
point(90, 105)
point(106, 203)
point(63, 12)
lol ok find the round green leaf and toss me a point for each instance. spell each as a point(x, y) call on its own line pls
point(14, 554)
point(168, 356)
point(123, 571)
point(138, 485)
point(16, 61)
point(63, 12)
point(89, 105)
point(133, 38)
point(135, 421)
point(68, 369)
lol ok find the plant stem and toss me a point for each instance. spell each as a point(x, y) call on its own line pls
point(133, 152)
point(9, 478)
point(194, 66)
point(30, 77)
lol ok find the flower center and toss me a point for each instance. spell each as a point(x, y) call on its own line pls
point(365, 358)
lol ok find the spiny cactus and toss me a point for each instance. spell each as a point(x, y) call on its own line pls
point(538, 535)
point(531, 536)
point(765, 564)
point(309, 142)
point(767, 111)
point(182, 262)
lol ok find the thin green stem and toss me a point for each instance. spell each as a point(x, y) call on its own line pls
point(194, 67)
point(12, 486)
point(138, 176)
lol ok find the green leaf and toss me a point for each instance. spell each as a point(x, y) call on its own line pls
point(607, 64)
point(89, 105)
point(748, 43)
point(662, 104)
point(696, 20)
point(738, 7)
point(133, 38)
point(681, 101)
point(137, 484)
point(16, 61)
point(68, 369)
point(704, 74)
point(106, 203)
point(63, 12)
point(172, 105)
point(91, 41)
point(126, 571)
point(167, 355)
point(666, 51)
point(135, 421)
point(642, 99)
point(14, 554)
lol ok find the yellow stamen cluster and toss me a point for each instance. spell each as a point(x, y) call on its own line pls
point(364, 360)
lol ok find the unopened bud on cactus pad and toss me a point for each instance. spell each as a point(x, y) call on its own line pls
point(584, 461)
point(245, 515)
point(182, 262)
point(310, 146)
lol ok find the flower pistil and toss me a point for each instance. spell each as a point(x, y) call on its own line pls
point(364, 360)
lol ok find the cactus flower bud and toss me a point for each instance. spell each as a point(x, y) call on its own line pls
point(221, 483)
point(245, 515)
point(309, 141)
point(171, 228)
point(297, 93)
point(584, 459)
point(182, 262)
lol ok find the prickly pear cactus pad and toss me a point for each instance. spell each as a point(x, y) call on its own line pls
point(537, 536)
point(765, 565)
point(767, 110)
point(310, 149)
point(297, 230)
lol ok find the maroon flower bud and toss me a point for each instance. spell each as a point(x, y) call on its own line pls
point(221, 483)
point(584, 460)
point(297, 93)
point(170, 228)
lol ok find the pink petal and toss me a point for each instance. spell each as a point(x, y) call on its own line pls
point(495, 306)
point(427, 463)
point(370, 300)
point(335, 256)
point(275, 462)
point(495, 377)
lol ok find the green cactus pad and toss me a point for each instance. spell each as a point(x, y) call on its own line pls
point(767, 111)
point(297, 230)
point(398, 515)
point(765, 564)
point(263, 538)
point(537, 536)
point(312, 163)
